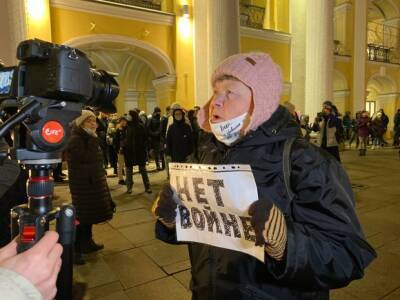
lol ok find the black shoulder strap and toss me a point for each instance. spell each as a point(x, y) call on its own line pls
point(287, 168)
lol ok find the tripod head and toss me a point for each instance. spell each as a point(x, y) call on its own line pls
point(42, 129)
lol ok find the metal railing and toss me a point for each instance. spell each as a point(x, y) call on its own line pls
point(252, 16)
point(148, 4)
point(383, 43)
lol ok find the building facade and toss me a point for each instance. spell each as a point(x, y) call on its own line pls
point(165, 50)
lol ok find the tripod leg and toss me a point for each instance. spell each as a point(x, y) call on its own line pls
point(66, 230)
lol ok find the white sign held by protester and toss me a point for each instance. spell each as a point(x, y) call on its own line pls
point(214, 203)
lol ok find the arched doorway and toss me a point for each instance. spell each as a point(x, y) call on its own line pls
point(144, 71)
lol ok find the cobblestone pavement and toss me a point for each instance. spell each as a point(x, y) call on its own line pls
point(134, 265)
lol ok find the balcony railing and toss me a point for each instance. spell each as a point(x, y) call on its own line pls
point(252, 16)
point(147, 4)
point(383, 43)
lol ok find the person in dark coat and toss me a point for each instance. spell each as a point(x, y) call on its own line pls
point(363, 131)
point(354, 129)
point(135, 151)
point(119, 144)
point(377, 131)
point(313, 242)
point(154, 130)
point(196, 130)
point(101, 131)
point(87, 182)
point(179, 138)
point(396, 128)
point(385, 121)
point(347, 125)
point(330, 128)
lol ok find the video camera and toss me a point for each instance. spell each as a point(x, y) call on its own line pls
point(48, 88)
point(57, 72)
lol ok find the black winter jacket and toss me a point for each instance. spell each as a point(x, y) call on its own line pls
point(179, 141)
point(135, 150)
point(87, 178)
point(154, 130)
point(326, 248)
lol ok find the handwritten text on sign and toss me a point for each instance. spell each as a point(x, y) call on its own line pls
point(214, 203)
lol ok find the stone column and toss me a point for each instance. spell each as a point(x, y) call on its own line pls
point(151, 101)
point(217, 29)
point(21, 20)
point(359, 55)
point(319, 55)
point(224, 31)
point(165, 88)
point(13, 28)
point(131, 100)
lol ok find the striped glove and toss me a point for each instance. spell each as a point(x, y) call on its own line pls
point(164, 206)
point(270, 227)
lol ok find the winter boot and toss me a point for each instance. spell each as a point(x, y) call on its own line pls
point(78, 259)
point(91, 246)
point(129, 189)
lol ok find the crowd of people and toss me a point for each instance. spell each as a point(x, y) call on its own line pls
point(333, 131)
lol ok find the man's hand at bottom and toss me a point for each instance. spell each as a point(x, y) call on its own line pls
point(40, 264)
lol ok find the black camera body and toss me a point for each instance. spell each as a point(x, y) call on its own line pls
point(58, 72)
point(54, 71)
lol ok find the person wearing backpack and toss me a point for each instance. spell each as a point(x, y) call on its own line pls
point(312, 238)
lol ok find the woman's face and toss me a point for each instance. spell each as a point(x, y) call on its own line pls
point(178, 115)
point(231, 99)
point(90, 123)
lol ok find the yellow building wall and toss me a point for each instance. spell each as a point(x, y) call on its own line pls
point(282, 15)
point(390, 106)
point(38, 19)
point(347, 70)
point(184, 58)
point(276, 15)
point(279, 52)
point(68, 24)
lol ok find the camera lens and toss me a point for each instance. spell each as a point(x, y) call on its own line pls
point(105, 90)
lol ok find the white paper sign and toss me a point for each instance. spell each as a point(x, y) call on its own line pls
point(214, 203)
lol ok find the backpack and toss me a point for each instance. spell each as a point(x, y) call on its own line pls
point(287, 170)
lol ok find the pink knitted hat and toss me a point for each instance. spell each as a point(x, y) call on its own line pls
point(261, 74)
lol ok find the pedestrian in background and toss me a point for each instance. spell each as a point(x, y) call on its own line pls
point(179, 138)
point(101, 131)
point(135, 151)
point(154, 130)
point(119, 144)
point(192, 116)
point(377, 131)
point(88, 183)
point(328, 125)
point(363, 131)
point(347, 125)
point(396, 129)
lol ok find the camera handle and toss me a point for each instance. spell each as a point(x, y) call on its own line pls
point(30, 221)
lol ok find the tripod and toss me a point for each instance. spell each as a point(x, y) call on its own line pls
point(41, 134)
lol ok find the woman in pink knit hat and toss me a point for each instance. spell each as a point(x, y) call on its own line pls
point(307, 225)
